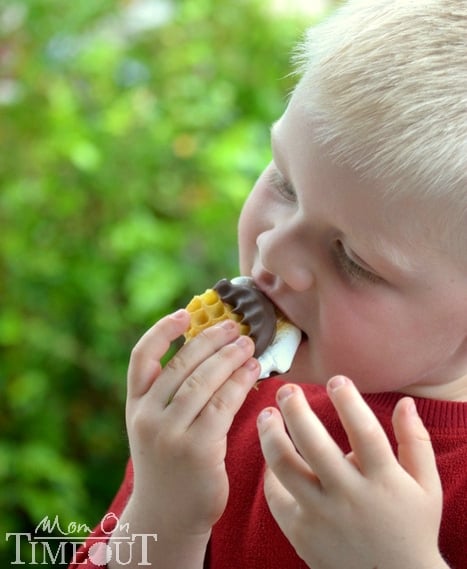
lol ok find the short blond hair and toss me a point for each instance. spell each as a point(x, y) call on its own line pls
point(386, 81)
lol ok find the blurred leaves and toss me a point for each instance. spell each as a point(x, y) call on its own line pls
point(130, 134)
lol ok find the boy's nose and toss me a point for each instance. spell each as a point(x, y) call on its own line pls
point(283, 258)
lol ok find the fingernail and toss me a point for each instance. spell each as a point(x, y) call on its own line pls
point(285, 392)
point(412, 408)
point(227, 324)
point(242, 342)
point(264, 415)
point(179, 314)
point(337, 382)
point(251, 364)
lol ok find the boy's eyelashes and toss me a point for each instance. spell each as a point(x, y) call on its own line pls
point(281, 185)
point(350, 267)
point(347, 265)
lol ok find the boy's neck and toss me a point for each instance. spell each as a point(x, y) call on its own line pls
point(455, 390)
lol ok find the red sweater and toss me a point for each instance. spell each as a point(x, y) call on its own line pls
point(248, 537)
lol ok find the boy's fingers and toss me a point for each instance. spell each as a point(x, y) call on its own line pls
point(146, 355)
point(281, 503)
point(369, 442)
point(311, 438)
point(415, 450)
point(189, 363)
point(290, 469)
point(200, 387)
point(218, 414)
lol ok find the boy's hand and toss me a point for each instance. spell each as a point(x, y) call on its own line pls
point(364, 510)
point(178, 418)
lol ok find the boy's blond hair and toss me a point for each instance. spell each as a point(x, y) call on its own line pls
point(386, 81)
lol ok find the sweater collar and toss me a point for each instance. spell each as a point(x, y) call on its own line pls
point(435, 413)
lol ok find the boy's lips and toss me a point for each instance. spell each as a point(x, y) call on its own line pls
point(280, 308)
point(304, 335)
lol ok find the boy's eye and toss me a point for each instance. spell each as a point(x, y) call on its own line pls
point(280, 184)
point(351, 268)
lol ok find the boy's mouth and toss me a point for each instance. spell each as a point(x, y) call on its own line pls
point(283, 312)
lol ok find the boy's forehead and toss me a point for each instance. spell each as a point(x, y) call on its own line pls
point(396, 231)
point(297, 122)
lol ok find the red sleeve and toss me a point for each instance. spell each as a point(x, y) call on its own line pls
point(91, 555)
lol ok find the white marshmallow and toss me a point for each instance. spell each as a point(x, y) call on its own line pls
point(279, 355)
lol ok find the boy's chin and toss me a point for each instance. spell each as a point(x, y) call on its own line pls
point(301, 370)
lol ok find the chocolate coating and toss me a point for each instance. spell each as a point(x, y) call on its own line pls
point(256, 309)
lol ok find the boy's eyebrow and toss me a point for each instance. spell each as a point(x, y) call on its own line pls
point(274, 139)
point(273, 126)
point(272, 132)
point(393, 255)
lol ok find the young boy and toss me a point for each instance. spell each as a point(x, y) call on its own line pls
point(357, 231)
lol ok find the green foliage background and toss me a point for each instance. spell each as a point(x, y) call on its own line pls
point(125, 155)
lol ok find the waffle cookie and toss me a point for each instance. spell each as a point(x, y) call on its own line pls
point(276, 339)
